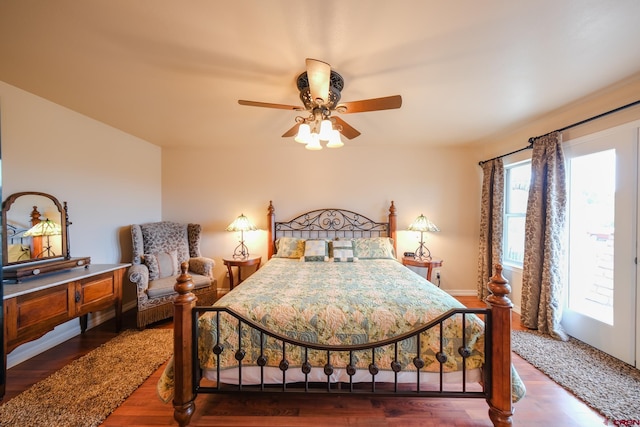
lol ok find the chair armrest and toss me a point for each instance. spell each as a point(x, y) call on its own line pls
point(139, 275)
point(202, 265)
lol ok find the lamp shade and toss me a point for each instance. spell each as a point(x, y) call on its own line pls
point(422, 223)
point(241, 223)
point(44, 228)
point(335, 141)
point(325, 130)
point(304, 134)
point(315, 143)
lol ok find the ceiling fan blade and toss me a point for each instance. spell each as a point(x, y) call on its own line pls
point(318, 73)
point(291, 132)
point(374, 104)
point(347, 130)
point(270, 105)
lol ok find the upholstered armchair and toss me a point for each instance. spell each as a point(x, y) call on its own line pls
point(158, 250)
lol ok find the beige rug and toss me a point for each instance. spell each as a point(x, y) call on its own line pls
point(603, 382)
point(87, 390)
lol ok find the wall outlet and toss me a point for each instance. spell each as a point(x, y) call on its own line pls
point(438, 275)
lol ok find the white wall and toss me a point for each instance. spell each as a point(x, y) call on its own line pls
point(108, 178)
point(214, 186)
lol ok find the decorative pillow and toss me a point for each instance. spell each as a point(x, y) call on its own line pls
point(343, 251)
point(290, 247)
point(374, 247)
point(162, 264)
point(316, 250)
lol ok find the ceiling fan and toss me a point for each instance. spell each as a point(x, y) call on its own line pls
point(320, 90)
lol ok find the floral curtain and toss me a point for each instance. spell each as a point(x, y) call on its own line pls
point(542, 275)
point(491, 219)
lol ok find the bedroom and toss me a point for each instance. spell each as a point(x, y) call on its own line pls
point(111, 178)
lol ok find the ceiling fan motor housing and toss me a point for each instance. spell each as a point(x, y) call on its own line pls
point(336, 84)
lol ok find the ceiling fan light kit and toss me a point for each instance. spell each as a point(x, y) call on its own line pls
point(320, 91)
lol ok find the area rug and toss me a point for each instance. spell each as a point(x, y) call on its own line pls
point(87, 390)
point(603, 382)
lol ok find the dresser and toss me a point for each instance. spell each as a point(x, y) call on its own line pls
point(36, 306)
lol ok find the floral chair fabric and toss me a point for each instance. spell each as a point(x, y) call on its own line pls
point(158, 250)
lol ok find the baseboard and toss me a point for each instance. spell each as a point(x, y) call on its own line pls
point(60, 334)
point(460, 292)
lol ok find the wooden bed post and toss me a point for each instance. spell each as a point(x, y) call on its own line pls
point(393, 224)
point(182, 350)
point(271, 220)
point(500, 403)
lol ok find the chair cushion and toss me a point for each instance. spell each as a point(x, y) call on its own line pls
point(162, 264)
point(162, 287)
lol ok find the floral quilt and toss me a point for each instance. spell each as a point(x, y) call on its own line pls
point(340, 304)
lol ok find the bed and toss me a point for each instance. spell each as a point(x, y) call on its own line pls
point(333, 311)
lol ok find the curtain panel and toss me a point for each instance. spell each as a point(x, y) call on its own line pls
point(543, 272)
point(491, 220)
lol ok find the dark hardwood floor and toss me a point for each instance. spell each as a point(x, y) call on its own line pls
point(546, 403)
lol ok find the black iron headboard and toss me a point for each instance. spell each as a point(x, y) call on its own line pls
point(329, 223)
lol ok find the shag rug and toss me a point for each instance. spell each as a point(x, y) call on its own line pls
point(603, 382)
point(87, 390)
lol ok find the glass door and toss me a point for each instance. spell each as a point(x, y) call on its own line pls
point(602, 200)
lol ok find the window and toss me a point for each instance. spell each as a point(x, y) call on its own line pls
point(517, 179)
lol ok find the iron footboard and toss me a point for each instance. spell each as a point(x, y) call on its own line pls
point(373, 386)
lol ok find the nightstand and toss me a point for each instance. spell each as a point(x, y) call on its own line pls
point(429, 264)
point(240, 262)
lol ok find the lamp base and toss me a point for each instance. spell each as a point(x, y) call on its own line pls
point(241, 251)
point(423, 253)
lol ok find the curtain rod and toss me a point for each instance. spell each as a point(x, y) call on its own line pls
point(533, 138)
point(528, 147)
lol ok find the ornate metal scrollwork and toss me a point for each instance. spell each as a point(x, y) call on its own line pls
point(332, 220)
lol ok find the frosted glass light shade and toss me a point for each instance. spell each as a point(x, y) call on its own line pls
point(315, 143)
point(325, 130)
point(304, 134)
point(334, 140)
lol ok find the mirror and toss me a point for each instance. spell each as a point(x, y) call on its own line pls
point(35, 239)
point(35, 228)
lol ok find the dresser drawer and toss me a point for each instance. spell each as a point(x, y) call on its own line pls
point(32, 315)
point(95, 293)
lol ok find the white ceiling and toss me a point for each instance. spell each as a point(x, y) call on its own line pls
point(171, 71)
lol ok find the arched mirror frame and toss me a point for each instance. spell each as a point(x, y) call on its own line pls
point(16, 271)
point(64, 225)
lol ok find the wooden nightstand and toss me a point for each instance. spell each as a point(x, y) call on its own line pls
point(240, 262)
point(429, 264)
